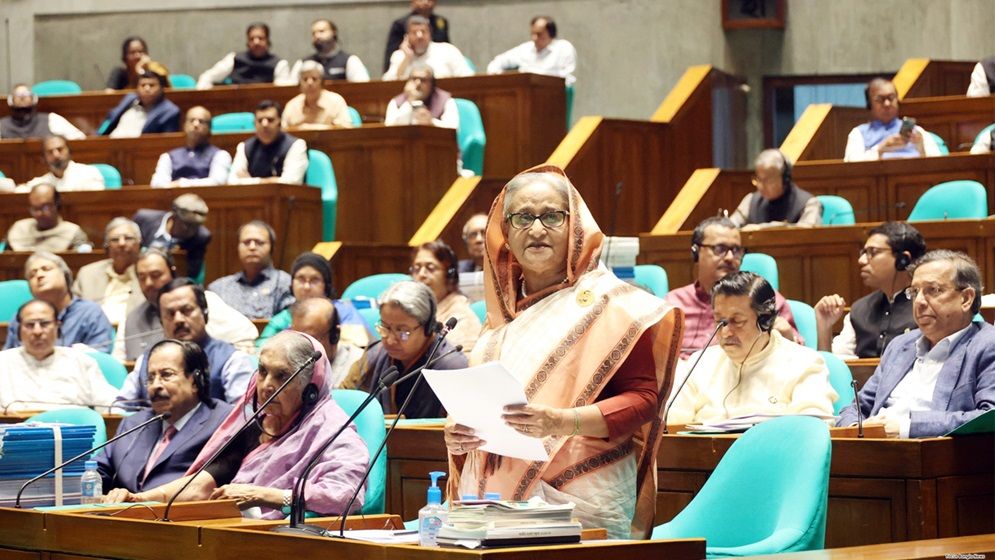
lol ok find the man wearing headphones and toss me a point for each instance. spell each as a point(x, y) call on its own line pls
point(183, 310)
point(40, 375)
point(318, 317)
point(887, 136)
point(178, 384)
point(337, 64)
point(753, 369)
point(26, 122)
point(45, 230)
point(544, 54)
point(778, 201)
point(259, 290)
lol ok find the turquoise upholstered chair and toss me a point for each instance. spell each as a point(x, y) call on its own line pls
point(836, 210)
point(653, 278)
point(234, 122)
point(321, 174)
point(987, 131)
point(56, 87)
point(114, 371)
point(2, 175)
point(473, 67)
point(182, 81)
point(13, 294)
point(78, 416)
point(470, 136)
point(570, 104)
point(805, 321)
point(767, 495)
point(112, 177)
point(480, 310)
point(941, 144)
point(762, 265)
point(951, 200)
point(372, 286)
point(840, 377)
point(370, 426)
point(355, 117)
point(371, 316)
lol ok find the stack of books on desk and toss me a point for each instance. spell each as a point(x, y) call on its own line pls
point(477, 523)
point(743, 423)
point(29, 450)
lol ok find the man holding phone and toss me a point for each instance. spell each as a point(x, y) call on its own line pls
point(887, 136)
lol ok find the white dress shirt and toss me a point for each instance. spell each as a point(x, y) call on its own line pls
point(559, 58)
point(979, 82)
point(76, 177)
point(224, 67)
point(445, 60)
point(294, 165)
point(403, 115)
point(131, 123)
point(218, 174)
point(67, 376)
point(855, 150)
point(914, 393)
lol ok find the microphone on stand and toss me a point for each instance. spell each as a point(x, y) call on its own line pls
point(856, 403)
point(718, 326)
point(298, 503)
point(443, 332)
point(163, 416)
point(314, 358)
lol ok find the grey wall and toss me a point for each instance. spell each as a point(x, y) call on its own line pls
point(631, 52)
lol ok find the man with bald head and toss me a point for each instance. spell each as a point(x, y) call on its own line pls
point(886, 135)
point(473, 236)
point(318, 318)
point(45, 230)
point(198, 163)
point(26, 122)
point(64, 173)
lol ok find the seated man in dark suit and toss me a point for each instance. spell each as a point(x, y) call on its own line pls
point(147, 110)
point(160, 453)
point(778, 201)
point(197, 163)
point(941, 375)
point(181, 227)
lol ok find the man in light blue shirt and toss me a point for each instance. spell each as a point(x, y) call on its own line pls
point(884, 136)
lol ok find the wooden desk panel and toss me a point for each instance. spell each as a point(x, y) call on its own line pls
point(880, 490)
point(524, 115)
point(980, 546)
point(293, 210)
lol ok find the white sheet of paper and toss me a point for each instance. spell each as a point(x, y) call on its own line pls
point(476, 397)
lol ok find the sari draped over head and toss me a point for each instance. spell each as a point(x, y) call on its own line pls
point(279, 463)
point(564, 344)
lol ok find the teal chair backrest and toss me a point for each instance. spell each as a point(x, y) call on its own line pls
point(13, 294)
point(114, 371)
point(652, 277)
point(112, 177)
point(764, 265)
point(836, 210)
point(56, 87)
point(470, 63)
point(952, 200)
point(767, 495)
point(570, 104)
point(182, 81)
point(355, 117)
point(2, 175)
point(77, 416)
point(470, 136)
point(480, 310)
point(321, 174)
point(805, 322)
point(840, 378)
point(371, 316)
point(370, 426)
point(940, 143)
point(233, 122)
point(372, 286)
point(987, 131)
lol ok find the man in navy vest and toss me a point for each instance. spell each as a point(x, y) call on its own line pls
point(183, 310)
point(272, 155)
point(196, 164)
point(255, 65)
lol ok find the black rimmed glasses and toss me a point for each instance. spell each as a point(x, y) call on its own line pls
point(524, 220)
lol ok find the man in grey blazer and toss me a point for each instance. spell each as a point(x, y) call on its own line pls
point(160, 453)
point(941, 375)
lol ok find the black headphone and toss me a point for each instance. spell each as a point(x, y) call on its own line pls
point(432, 325)
point(867, 97)
point(767, 316)
point(694, 252)
point(334, 330)
point(202, 380)
point(785, 170)
point(902, 261)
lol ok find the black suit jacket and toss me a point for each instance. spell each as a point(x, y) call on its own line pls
point(148, 221)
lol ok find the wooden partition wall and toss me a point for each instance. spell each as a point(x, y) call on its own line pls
point(524, 115)
point(923, 77)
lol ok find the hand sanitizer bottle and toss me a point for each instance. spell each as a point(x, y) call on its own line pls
point(433, 515)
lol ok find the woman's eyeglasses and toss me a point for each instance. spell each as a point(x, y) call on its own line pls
point(524, 220)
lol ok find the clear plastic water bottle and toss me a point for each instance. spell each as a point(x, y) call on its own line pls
point(91, 486)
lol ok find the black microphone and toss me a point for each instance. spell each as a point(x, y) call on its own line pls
point(298, 503)
point(446, 329)
point(718, 326)
point(457, 349)
point(163, 416)
point(856, 406)
point(314, 358)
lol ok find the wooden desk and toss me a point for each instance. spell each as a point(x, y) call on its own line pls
point(939, 549)
point(819, 261)
point(862, 369)
point(880, 490)
point(524, 115)
point(293, 210)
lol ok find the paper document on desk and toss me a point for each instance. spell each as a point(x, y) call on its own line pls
point(476, 397)
point(743, 423)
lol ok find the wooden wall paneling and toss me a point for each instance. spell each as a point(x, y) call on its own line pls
point(865, 511)
point(354, 260)
point(929, 78)
point(966, 503)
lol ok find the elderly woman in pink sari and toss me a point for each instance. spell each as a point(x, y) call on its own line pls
point(594, 354)
point(262, 465)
